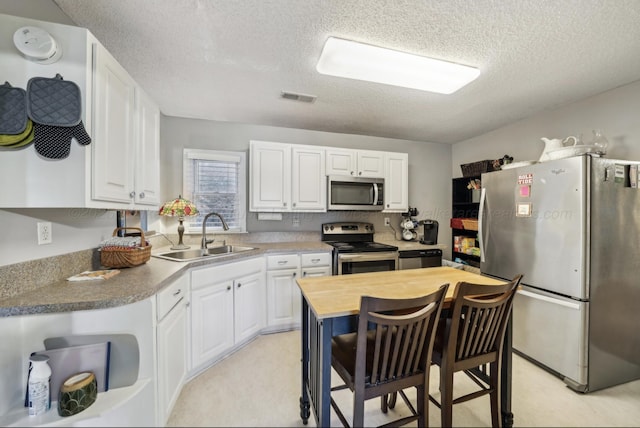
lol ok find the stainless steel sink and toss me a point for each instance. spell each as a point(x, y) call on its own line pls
point(195, 254)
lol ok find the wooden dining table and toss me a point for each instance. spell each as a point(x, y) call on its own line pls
point(330, 305)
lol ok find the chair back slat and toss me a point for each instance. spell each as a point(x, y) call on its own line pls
point(399, 340)
point(479, 316)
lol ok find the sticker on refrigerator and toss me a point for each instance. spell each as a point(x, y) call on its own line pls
point(525, 179)
point(523, 209)
point(524, 191)
point(619, 174)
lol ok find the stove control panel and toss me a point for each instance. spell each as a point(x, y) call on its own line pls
point(347, 228)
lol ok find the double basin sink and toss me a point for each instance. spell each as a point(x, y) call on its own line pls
point(197, 254)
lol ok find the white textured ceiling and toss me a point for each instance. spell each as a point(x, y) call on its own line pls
point(229, 60)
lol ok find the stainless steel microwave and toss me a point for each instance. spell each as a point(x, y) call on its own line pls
point(355, 193)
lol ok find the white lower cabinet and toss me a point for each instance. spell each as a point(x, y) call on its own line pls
point(227, 308)
point(171, 342)
point(284, 300)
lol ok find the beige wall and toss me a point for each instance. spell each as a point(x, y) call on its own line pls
point(615, 112)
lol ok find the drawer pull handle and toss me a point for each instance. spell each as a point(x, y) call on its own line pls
point(315, 260)
point(282, 262)
point(177, 292)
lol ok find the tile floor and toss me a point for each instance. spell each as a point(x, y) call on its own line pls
point(259, 386)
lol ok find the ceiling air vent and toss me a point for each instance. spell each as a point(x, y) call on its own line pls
point(298, 97)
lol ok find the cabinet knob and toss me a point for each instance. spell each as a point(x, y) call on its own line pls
point(228, 287)
point(360, 173)
point(304, 274)
point(294, 274)
point(239, 285)
point(132, 195)
point(141, 195)
point(284, 204)
point(177, 292)
point(294, 204)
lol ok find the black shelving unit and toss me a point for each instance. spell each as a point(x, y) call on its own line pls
point(464, 205)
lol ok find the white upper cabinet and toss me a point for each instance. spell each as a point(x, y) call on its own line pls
point(270, 176)
point(355, 163)
point(113, 137)
point(147, 165)
point(286, 177)
point(119, 169)
point(396, 183)
point(341, 162)
point(126, 158)
point(308, 182)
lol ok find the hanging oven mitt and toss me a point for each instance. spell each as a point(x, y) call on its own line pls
point(54, 142)
point(55, 106)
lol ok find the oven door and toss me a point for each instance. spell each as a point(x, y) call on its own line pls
point(350, 263)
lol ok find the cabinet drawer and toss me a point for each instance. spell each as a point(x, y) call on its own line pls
point(315, 259)
point(283, 261)
point(169, 296)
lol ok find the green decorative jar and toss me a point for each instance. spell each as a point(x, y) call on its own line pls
point(77, 393)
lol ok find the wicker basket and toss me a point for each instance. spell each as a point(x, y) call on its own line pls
point(476, 168)
point(121, 257)
point(470, 223)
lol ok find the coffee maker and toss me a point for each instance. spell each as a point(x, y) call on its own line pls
point(430, 229)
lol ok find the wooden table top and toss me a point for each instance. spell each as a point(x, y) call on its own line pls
point(333, 296)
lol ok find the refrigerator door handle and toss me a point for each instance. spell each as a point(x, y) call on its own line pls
point(550, 299)
point(483, 195)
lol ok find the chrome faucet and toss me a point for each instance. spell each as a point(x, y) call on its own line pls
point(205, 241)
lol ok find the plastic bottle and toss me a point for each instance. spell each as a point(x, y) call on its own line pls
point(39, 385)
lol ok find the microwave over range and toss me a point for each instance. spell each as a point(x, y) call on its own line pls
point(355, 193)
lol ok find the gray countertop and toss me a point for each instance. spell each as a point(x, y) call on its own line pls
point(131, 284)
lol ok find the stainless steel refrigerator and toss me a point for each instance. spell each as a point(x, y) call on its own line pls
point(572, 227)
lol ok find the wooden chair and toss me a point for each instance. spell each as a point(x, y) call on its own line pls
point(471, 337)
point(387, 353)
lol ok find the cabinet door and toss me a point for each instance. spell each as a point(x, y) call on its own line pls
point(113, 124)
point(270, 176)
point(396, 183)
point(309, 183)
point(172, 358)
point(341, 161)
point(370, 163)
point(211, 322)
point(283, 296)
point(147, 169)
point(249, 306)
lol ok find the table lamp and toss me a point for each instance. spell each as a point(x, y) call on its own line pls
point(180, 208)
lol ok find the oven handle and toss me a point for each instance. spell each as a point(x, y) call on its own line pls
point(368, 256)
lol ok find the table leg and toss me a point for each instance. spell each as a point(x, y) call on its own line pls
point(316, 367)
point(304, 398)
point(505, 378)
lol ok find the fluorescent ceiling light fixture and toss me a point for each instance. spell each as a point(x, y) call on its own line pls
point(353, 60)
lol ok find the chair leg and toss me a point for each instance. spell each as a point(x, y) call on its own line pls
point(384, 403)
point(496, 394)
point(358, 410)
point(422, 406)
point(446, 396)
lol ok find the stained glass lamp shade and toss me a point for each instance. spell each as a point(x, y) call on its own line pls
point(180, 208)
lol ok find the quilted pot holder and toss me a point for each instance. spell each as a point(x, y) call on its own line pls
point(13, 110)
point(55, 106)
point(18, 140)
point(54, 101)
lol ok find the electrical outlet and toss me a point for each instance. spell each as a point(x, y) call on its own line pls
point(386, 221)
point(44, 233)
